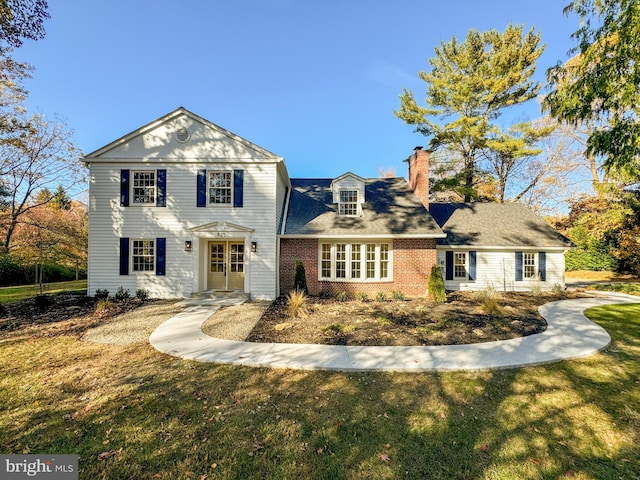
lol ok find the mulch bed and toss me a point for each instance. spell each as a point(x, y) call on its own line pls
point(462, 319)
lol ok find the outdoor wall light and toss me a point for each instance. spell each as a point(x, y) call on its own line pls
point(254, 247)
point(187, 245)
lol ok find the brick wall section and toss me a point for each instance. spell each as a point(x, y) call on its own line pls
point(412, 261)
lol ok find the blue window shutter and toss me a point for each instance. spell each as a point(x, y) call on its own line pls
point(124, 188)
point(161, 180)
point(448, 265)
point(472, 265)
point(124, 256)
point(161, 255)
point(519, 267)
point(202, 188)
point(542, 266)
point(238, 177)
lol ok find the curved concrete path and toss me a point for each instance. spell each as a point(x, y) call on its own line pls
point(569, 334)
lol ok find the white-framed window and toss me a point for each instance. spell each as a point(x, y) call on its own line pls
point(460, 265)
point(143, 187)
point(354, 261)
point(143, 255)
point(220, 188)
point(530, 265)
point(348, 205)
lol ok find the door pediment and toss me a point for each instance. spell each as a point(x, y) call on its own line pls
point(222, 229)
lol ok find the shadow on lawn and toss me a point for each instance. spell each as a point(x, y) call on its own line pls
point(133, 413)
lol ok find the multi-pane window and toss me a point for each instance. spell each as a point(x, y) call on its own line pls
point(371, 260)
point(348, 206)
point(236, 262)
point(341, 260)
point(460, 265)
point(355, 261)
point(529, 269)
point(325, 261)
point(144, 187)
point(220, 188)
point(384, 260)
point(143, 255)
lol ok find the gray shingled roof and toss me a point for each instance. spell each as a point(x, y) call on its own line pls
point(494, 225)
point(391, 208)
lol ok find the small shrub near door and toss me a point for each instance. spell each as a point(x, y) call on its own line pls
point(300, 278)
point(435, 288)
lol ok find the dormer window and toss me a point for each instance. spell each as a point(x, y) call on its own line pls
point(348, 205)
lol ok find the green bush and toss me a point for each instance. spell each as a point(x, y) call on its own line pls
point(435, 287)
point(381, 297)
point(362, 296)
point(122, 293)
point(397, 296)
point(300, 278)
point(142, 294)
point(101, 294)
point(341, 296)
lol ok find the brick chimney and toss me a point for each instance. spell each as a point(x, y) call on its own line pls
point(419, 174)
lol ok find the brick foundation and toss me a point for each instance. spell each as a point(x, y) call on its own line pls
point(412, 262)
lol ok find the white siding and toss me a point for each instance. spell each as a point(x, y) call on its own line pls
point(497, 269)
point(109, 221)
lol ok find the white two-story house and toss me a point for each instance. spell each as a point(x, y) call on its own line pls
point(182, 205)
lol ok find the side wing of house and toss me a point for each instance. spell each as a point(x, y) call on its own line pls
point(182, 205)
point(358, 235)
point(502, 246)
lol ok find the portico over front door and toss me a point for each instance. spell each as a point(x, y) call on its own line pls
point(226, 265)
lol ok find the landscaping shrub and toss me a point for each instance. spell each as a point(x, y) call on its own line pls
point(142, 294)
point(297, 304)
point(381, 297)
point(102, 294)
point(362, 296)
point(487, 293)
point(435, 286)
point(122, 293)
point(490, 306)
point(300, 278)
point(397, 296)
point(341, 296)
point(104, 307)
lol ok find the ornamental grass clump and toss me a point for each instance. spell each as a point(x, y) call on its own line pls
point(297, 304)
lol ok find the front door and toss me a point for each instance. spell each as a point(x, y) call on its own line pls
point(226, 266)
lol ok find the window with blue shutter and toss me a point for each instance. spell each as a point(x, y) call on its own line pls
point(238, 187)
point(124, 256)
point(448, 265)
point(519, 270)
point(161, 182)
point(201, 188)
point(161, 248)
point(472, 266)
point(124, 188)
point(542, 266)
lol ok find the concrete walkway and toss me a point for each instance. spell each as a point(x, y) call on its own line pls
point(569, 335)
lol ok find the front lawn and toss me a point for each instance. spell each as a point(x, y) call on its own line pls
point(15, 294)
point(133, 413)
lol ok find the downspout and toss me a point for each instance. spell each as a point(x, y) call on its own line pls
point(283, 225)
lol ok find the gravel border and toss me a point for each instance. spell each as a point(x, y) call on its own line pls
point(134, 326)
point(235, 322)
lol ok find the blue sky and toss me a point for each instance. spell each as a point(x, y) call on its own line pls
point(315, 82)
